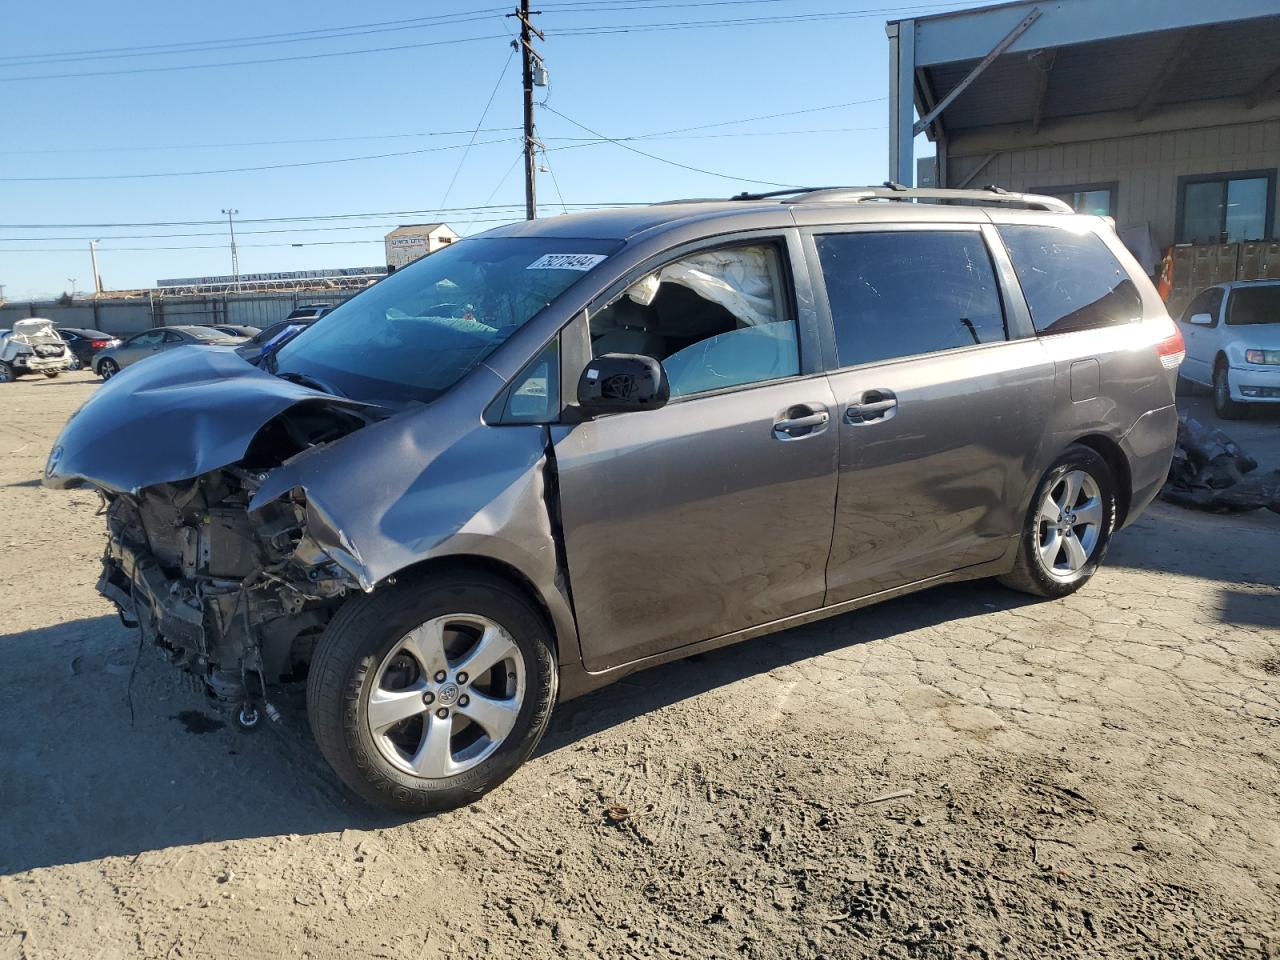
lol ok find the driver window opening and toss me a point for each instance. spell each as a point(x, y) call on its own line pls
point(715, 319)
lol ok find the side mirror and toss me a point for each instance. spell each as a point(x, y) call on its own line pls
point(1201, 319)
point(618, 382)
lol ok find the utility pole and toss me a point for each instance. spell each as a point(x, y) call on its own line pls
point(531, 60)
point(235, 259)
point(97, 277)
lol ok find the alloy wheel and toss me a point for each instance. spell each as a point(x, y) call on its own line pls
point(107, 369)
point(1070, 521)
point(446, 696)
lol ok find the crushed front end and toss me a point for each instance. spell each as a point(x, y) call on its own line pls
point(236, 597)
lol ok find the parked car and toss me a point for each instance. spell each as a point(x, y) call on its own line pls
point(1232, 331)
point(32, 346)
point(271, 338)
point(86, 344)
point(111, 361)
point(541, 459)
point(310, 311)
point(236, 329)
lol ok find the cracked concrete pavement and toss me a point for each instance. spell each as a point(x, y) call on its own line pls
point(964, 772)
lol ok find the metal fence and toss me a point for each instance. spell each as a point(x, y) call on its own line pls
point(131, 316)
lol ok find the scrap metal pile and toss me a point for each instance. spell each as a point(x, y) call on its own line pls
point(1209, 473)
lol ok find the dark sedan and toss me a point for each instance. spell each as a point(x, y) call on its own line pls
point(86, 344)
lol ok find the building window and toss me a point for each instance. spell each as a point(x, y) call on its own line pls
point(1094, 199)
point(1226, 207)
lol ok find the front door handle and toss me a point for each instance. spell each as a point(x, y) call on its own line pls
point(796, 423)
point(873, 407)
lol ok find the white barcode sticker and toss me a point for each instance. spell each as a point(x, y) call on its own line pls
point(567, 261)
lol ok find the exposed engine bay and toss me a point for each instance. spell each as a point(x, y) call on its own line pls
point(237, 597)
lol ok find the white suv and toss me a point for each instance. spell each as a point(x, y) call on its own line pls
point(1232, 333)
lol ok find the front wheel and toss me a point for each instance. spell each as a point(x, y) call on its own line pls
point(52, 374)
point(1068, 526)
point(108, 368)
point(1223, 405)
point(7, 374)
point(430, 692)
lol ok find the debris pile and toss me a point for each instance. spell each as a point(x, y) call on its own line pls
point(1208, 473)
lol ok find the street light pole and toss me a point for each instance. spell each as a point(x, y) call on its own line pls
point(235, 259)
point(72, 281)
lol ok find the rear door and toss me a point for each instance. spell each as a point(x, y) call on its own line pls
point(942, 399)
point(713, 513)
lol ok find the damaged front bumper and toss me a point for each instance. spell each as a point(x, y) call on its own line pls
point(236, 598)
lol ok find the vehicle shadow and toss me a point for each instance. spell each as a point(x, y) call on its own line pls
point(88, 771)
point(671, 683)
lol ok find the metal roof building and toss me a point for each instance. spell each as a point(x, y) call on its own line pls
point(1164, 114)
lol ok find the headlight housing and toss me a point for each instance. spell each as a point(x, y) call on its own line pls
point(1262, 356)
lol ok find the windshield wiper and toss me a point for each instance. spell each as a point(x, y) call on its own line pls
point(304, 380)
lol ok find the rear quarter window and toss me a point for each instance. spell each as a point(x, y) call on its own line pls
point(1070, 279)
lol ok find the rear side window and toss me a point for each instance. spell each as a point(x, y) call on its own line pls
point(909, 292)
point(1070, 279)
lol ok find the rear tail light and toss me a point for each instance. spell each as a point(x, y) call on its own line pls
point(1169, 346)
point(98, 344)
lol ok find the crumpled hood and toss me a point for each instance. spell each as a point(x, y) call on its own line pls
point(172, 417)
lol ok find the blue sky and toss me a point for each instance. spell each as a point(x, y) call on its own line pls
point(620, 84)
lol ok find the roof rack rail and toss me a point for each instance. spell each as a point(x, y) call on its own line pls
point(897, 192)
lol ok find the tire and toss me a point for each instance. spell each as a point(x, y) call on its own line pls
point(7, 373)
point(1223, 405)
point(363, 651)
point(51, 374)
point(108, 368)
point(1032, 573)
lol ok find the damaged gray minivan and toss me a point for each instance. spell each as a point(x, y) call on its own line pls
point(569, 449)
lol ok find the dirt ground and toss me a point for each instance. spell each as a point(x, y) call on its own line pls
point(963, 773)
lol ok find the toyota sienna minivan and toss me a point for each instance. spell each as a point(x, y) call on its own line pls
point(569, 449)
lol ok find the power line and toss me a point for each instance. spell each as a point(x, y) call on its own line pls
point(325, 216)
point(684, 166)
point(230, 43)
point(243, 63)
point(479, 123)
point(150, 147)
point(589, 30)
point(254, 169)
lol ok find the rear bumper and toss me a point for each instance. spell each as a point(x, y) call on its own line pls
point(1148, 447)
point(1255, 384)
point(26, 361)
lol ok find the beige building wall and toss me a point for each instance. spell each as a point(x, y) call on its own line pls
point(1145, 166)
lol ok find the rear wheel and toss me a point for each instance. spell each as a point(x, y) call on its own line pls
point(1068, 527)
point(1223, 405)
point(108, 368)
point(429, 693)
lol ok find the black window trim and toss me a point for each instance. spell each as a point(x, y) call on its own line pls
point(1014, 321)
point(1113, 186)
point(1227, 175)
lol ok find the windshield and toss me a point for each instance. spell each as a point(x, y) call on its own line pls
point(1252, 305)
point(419, 331)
